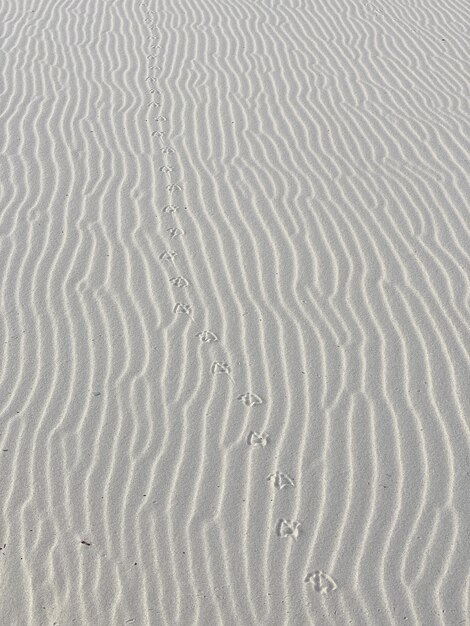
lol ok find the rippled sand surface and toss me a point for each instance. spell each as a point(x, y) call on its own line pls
point(234, 291)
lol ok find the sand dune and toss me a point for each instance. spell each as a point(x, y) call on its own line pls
point(235, 312)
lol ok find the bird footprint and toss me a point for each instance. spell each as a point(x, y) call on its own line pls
point(250, 399)
point(179, 281)
point(218, 367)
point(206, 336)
point(169, 255)
point(322, 583)
point(180, 307)
point(257, 439)
point(288, 528)
point(174, 232)
point(281, 480)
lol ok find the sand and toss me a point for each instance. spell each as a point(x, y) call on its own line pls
point(235, 252)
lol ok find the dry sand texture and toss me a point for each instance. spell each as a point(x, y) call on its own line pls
point(235, 264)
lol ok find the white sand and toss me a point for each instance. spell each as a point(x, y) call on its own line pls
point(206, 199)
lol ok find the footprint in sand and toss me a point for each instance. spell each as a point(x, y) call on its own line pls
point(250, 399)
point(179, 281)
point(174, 187)
point(286, 528)
point(219, 367)
point(174, 232)
point(206, 336)
point(256, 439)
point(322, 583)
point(169, 255)
point(281, 480)
point(181, 307)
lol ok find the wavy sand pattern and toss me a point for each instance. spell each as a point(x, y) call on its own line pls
point(235, 251)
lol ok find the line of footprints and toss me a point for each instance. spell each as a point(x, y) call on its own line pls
point(285, 528)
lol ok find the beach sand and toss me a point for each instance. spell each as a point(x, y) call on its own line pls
point(235, 252)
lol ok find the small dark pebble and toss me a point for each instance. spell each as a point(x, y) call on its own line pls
point(85, 543)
